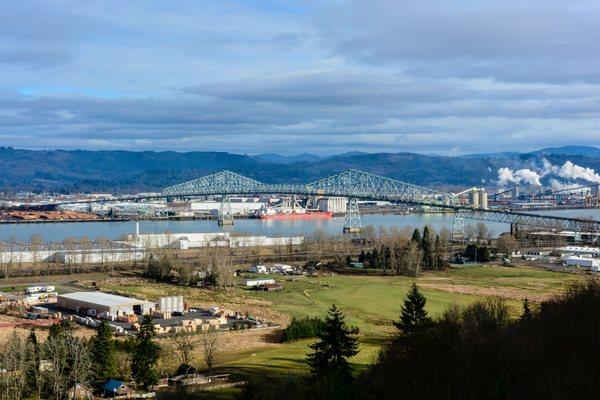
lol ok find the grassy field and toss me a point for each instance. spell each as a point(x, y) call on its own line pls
point(372, 302)
point(369, 302)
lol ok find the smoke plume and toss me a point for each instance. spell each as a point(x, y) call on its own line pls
point(507, 175)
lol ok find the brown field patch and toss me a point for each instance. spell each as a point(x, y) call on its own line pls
point(491, 291)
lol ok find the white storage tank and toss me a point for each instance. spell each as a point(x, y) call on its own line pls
point(474, 198)
point(483, 199)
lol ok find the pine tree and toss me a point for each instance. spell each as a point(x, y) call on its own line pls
point(374, 259)
point(33, 377)
point(336, 344)
point(416, 236)
point(387, 257)
point(483, 254)
point(348, 261)
point(362, 257)
point(143, 363)
point(426, 247)
point(438, 257)
point(413, 314)
point(104, 353)
point(526, 316)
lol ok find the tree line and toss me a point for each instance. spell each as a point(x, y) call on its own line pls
point(403, 256)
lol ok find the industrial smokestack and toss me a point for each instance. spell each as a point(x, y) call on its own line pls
point(137, 229)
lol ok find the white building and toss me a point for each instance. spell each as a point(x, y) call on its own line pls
point(185, 241)
point(104, 303)
point(578, 251)
point(283, 268)
point(70, 254)
point(259, 269)
point(256, 282)
point(586, 262)
point(238, 206)
point(335, 205)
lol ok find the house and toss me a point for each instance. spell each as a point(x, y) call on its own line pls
point(80, 392)
point(282, 268)
point(269, 287)
point(116, 388)
point(258, 269)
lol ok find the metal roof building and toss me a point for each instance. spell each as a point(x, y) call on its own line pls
point(104, 302)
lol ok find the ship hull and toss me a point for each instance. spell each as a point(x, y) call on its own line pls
point(310, 215)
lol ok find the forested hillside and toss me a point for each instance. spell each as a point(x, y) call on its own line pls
point(126, 171)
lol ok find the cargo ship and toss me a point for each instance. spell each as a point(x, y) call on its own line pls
point(296, 213)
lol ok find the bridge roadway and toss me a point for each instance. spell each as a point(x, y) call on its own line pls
point(359, 185)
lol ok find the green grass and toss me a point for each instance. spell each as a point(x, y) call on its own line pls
point(372, 302)
point(369, 302)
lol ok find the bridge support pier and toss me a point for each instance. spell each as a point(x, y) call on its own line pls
point(458, 228)
point(225, 216)
point(514, 229)
point(352, 224)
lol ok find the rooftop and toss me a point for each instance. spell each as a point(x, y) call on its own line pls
point(102, 298)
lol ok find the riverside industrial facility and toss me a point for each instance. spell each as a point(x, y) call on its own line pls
point(133, 248)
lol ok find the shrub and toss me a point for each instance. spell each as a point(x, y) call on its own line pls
point(302, 328)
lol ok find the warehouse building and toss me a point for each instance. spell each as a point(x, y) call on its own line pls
point(104, 303)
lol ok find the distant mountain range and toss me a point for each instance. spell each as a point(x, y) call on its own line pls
point(127, 172)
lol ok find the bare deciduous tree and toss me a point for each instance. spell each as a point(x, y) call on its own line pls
point(506, 244)
point(210, 347)
point(184, 344)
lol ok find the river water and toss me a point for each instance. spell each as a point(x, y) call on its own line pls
point(114, 230)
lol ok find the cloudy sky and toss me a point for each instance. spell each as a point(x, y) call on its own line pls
point(322, 76)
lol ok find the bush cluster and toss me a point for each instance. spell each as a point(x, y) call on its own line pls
point(302, 328)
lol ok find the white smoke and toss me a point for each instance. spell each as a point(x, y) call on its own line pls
point(567, 171)
point(507, 175)
point(560, 186)
point(573, 171)
point(548, 168)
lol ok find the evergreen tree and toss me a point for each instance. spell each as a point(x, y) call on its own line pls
point(336, 344)
point(374, 259)
point(362, 257)
point(426, 247)
point(387, 257)
point(348, 261)
point(143, 363)
point(416, 236)
point(438, 257)
point(526, 316)
point(483, 254)
point(381, 257)
point(471, 252)
point(413, 314)
point(104, 353)
point(33, 358)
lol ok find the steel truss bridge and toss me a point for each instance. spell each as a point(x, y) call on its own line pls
point(355, 184)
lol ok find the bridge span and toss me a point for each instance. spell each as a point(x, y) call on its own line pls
point(355, 184)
